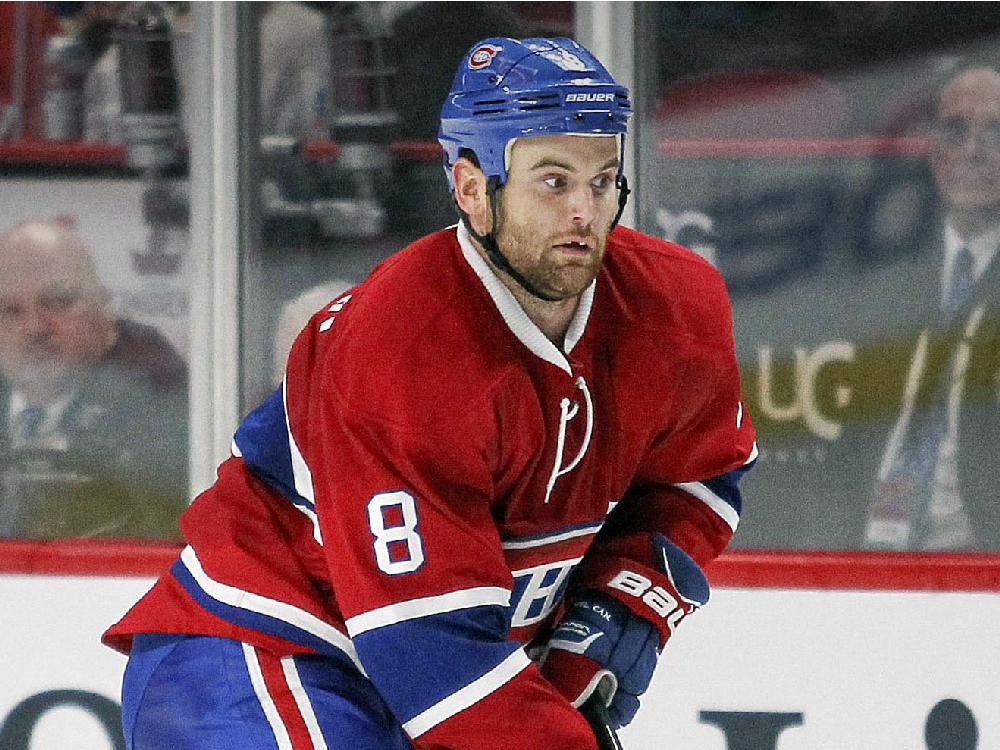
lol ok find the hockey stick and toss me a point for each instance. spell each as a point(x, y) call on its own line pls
point(596, 714)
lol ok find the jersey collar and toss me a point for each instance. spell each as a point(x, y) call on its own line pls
point(514, 316)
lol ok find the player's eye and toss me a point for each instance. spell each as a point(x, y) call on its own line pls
point(555, 181)
point(602, 182)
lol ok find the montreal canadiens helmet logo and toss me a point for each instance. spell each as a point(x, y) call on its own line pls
point(483, 55)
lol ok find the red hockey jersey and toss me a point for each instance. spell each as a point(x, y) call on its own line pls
point(435, 475)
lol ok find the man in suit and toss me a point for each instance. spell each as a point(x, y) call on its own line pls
point(936, 485)
point(92, 407)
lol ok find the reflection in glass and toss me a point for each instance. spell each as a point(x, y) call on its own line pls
point(837, 163)
point(93, 435)
point(94, 271)
point(358, 175)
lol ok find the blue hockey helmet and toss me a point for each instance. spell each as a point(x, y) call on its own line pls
point(508, 88)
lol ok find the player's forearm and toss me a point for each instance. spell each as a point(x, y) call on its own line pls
point(526, 713)
point(627, 536)
point(448, 672)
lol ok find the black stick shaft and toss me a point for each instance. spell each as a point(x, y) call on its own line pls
point(596, 714)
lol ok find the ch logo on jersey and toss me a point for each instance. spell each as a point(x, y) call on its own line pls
point(483, 55)
point(538, 589)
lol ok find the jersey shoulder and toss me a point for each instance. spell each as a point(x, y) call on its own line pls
point(407, 338)
point(661, 284)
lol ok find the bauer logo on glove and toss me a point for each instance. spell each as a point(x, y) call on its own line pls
point(686, 591)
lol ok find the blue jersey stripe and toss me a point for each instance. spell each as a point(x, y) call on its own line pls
point(721, 493)
point(262, 439)
point(726, 486)
point(420, 663)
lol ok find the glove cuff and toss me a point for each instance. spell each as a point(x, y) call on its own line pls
point(578, 677)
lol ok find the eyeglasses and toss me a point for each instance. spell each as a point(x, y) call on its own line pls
point(955, 131)
point(52, 301)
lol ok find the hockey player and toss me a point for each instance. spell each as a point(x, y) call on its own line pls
point(491, 478)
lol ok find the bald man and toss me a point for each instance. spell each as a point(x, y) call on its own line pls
point(937, 483)
point(54, 310)
point(965, 153)
point(92, 407)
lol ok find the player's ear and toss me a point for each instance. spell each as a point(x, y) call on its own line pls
point(470, 193)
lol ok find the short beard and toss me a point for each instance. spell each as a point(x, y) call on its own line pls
point(554, 280)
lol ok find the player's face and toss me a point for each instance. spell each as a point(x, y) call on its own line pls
point(52, 319)
point(965, 150)
point(556, 209)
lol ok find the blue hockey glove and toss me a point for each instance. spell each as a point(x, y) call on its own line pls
point(610, 638)
point(601, 646)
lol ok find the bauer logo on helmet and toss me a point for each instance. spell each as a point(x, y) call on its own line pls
point(483, 55)
point(608, 97)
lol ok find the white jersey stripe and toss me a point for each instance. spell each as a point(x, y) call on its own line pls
point(471, 694)
point(430, 605)
point(283, 611)
point(713, 501)
point(313, 519)
point(302, 701)
point(300, 470)
point(542, 541)
point(266, 701)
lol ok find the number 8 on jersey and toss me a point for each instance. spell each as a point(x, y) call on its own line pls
point(392, 518)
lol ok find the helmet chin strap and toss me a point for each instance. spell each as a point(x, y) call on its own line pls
point(492, 248)
point(623, 193)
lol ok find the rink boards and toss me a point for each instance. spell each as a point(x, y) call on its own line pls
point(783, 669)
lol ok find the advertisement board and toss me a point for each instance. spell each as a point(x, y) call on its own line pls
point(60, 686)
point(757, 669)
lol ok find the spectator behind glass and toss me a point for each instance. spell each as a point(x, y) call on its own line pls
point(428, 41)
point(24, 29)
point(92, 407)
point(102, 92)
point(936, 486)
point(98, 24)
point(294, 71)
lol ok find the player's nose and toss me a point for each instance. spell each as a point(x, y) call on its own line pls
point(582, 205)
